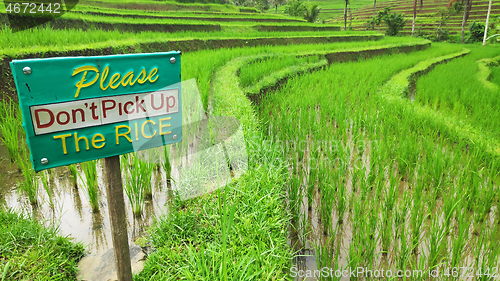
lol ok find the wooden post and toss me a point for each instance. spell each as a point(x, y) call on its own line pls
point(116, 206)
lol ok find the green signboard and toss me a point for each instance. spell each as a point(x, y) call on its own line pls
point(77, 109)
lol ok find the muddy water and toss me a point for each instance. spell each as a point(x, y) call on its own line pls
point(72, 213)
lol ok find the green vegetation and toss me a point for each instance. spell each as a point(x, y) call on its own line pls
point(32, 252)
point(43, 40)
point(394, 21)
point(434, 21)
point(10, 127)
point(255, 71)
point(473, 103)
point(377, 154)
point(189, 241)
point(138, 172)
point(90, 183)
point(495, 75)
point(380, 152)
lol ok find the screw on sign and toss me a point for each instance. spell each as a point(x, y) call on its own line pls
point(88, 108)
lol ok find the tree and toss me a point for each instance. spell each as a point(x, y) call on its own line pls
point(374, 8)
point(415, 14)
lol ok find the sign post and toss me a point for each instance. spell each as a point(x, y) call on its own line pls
point(117, 220)
point(77, 109)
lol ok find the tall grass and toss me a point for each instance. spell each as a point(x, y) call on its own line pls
point(472, 101)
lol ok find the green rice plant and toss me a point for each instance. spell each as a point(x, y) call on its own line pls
point(30, 185)
point(437, 241)
point(226, 216)
point(400, 215)
point(45, 182)
point(252, 73)
point(385, 231)
point(74, 174)
point(450, 203)
point(341, 202)
point(405, 250)
point(90, 184)
point(479, 251)
point(407, 154)
point(473, 183)
point(417, 215)
point(391, 194)
point(486, 197)
point(146, 169)
point(371, 238)
point(489, 258)
point(327, 199)
point(10, 127)
point(437, 162)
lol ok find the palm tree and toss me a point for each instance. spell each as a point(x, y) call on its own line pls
point(415, 14)
point(468, 7)
point(345, 14)
point(486, 25)
point(374, 8)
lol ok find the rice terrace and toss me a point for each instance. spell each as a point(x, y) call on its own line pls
point(321, 140)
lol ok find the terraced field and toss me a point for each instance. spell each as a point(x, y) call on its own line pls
point(364, 151)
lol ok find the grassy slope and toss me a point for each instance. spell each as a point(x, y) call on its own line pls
point(29, 251)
